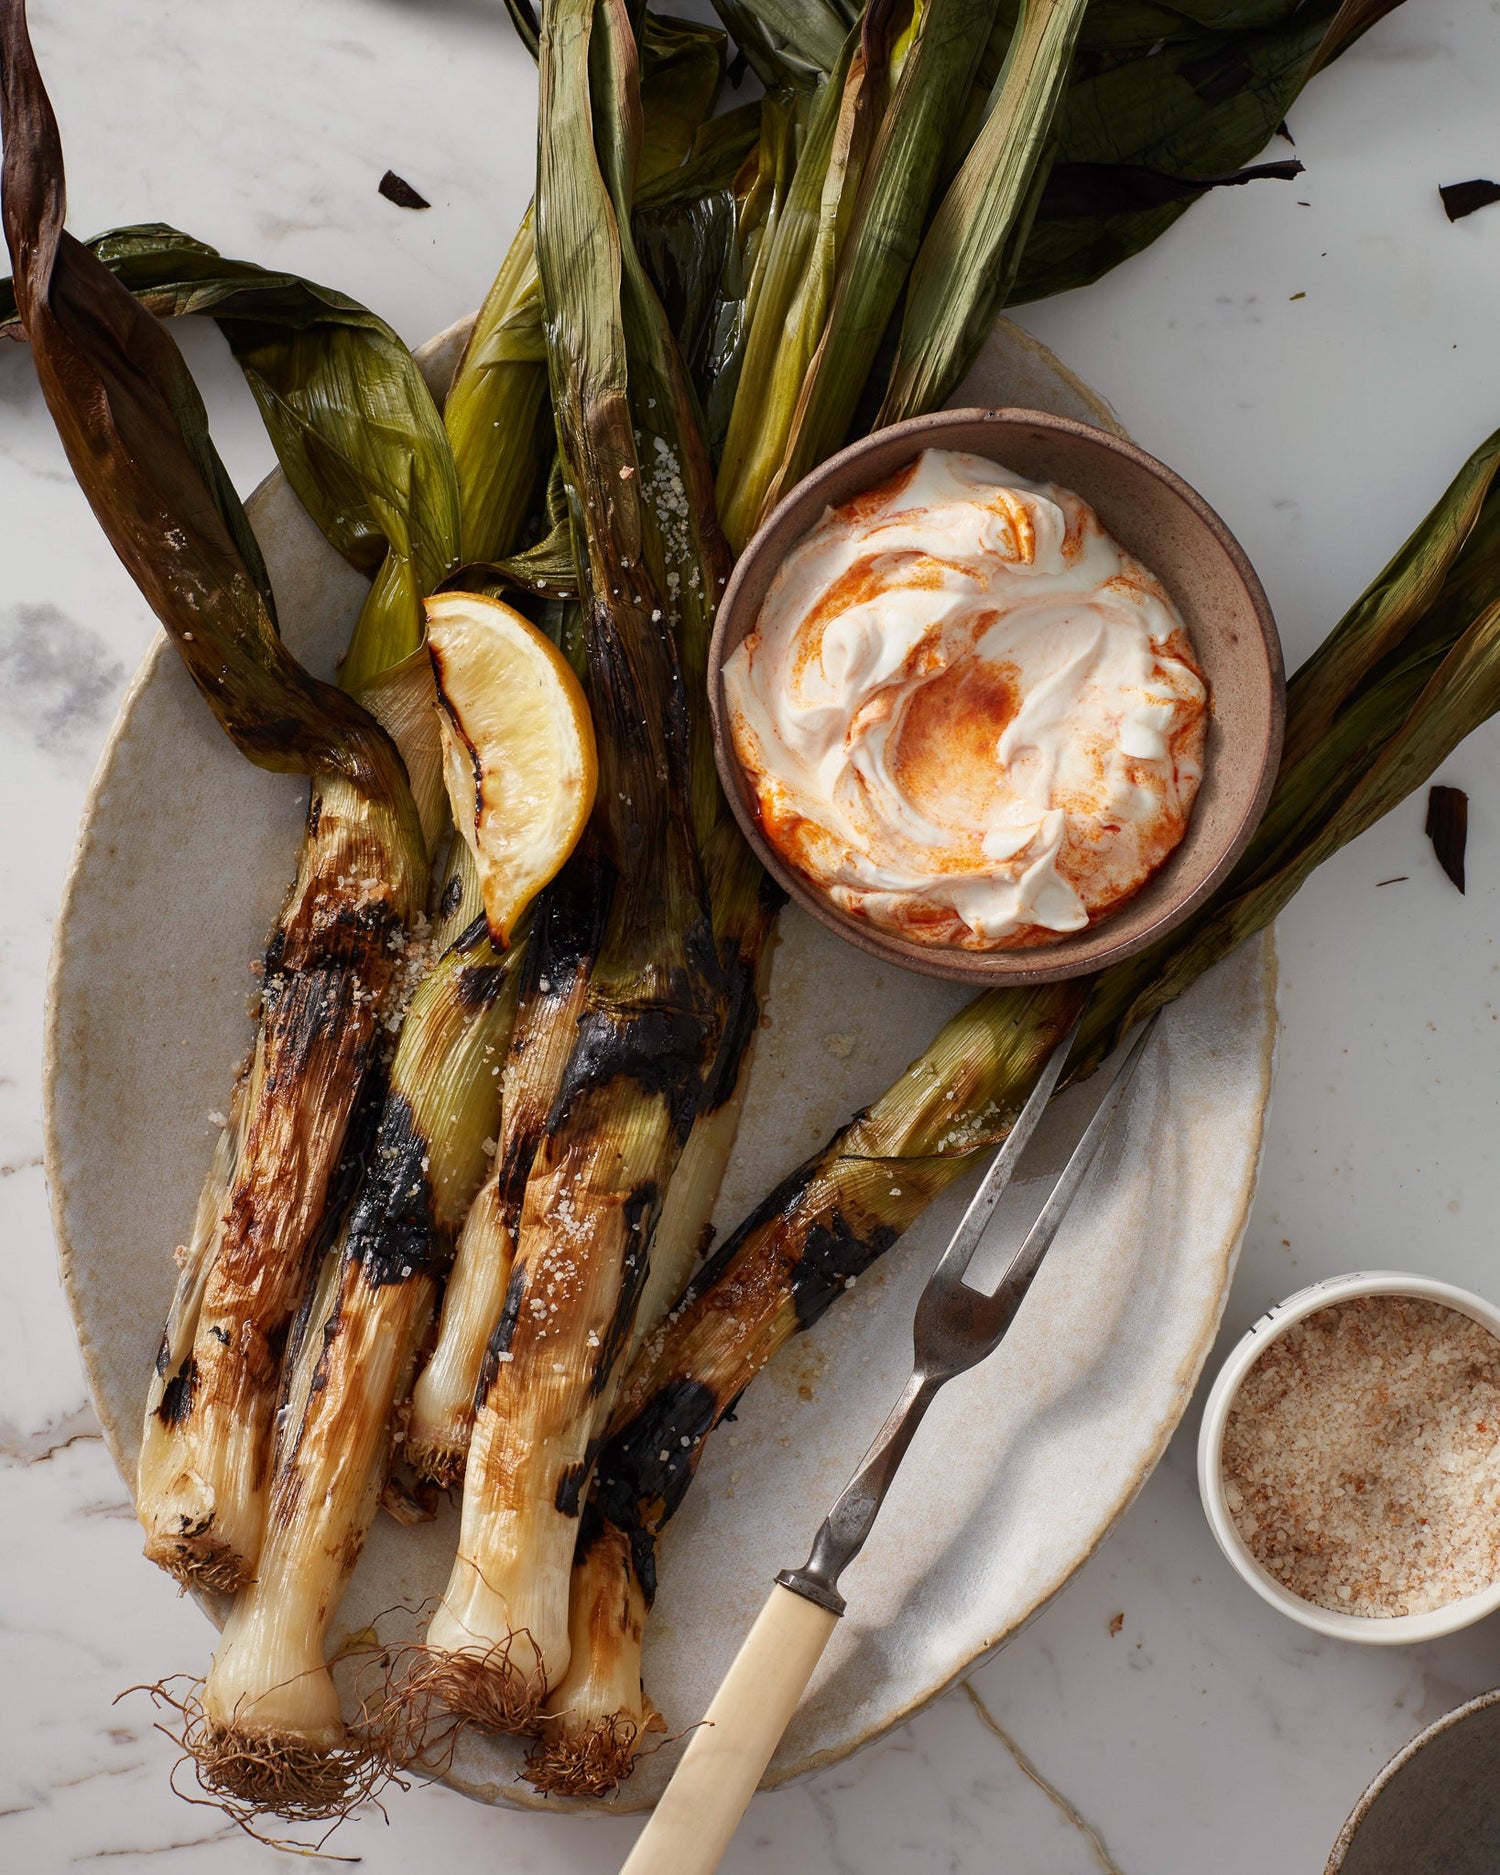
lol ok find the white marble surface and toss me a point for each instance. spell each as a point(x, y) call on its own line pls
point(1207, 1732)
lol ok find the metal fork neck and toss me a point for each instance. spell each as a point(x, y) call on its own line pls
point(844, 1530)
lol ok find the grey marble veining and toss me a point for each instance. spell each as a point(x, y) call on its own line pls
point(1204, 1732)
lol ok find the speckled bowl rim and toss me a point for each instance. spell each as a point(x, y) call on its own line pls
point(1087, 951)
point(1373, 1630)
point(1411, 1749)
point(628, 1800)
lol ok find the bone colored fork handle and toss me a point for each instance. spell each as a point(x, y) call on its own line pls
point(701, 1808)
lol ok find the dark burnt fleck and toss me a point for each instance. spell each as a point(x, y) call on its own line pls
point(398, 190)
point(1448, 829)
point(163, 1354)
point(177, 1396)
point(221, 1335)
point(390, 1230)
point(1463, 198)
point(452, 893)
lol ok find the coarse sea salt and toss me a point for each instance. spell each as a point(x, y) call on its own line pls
point(1361, 1457)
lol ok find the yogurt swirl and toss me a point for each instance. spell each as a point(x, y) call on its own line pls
point(966, 713)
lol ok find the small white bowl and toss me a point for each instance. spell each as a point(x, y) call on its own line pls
point(1380, 1630)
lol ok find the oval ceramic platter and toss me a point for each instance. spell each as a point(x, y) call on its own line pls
point(1021, 1468)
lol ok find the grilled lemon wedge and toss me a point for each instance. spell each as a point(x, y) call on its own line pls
point(518, 748)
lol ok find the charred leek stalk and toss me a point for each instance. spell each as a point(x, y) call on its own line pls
point(332, 963)
point(1410, 671)
point(564, 941)
point(137, 439)
point(654, 1006)
point(273, 1734)
point(680, 73)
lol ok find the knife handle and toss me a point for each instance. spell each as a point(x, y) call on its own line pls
point(699, 1811)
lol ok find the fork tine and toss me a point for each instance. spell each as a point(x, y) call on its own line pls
point(1038, 1240)
point(965, 1240)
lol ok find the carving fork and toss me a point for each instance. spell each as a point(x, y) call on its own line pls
point(956, 1327)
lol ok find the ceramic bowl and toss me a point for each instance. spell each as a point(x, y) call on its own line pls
point(1435, 1808)
point(1161, 521)
point(1379, 1630)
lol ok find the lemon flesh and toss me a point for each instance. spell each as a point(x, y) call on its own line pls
point(518, 748)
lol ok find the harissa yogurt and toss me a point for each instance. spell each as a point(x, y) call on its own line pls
point(966, 713)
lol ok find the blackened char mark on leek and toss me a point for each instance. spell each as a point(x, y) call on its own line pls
point(660, 1049)
point(505, 1333)
point(476, 986)
point(642, 1207)
point(742, 1017)
point(177, 1396)
point(831, 1252)
point(359, 1142)
point(329, 931)
point(570, 1488)
point(312, 1029)
point(390, 1232)
point(567, 930)
point(569, 921)
point(834, 1255)
point(304, 1007)
point(646, 1468)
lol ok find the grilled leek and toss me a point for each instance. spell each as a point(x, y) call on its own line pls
point(137, 438)
point(654, 1006)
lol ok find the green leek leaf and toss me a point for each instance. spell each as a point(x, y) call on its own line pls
point(932, 64)
point(968, 257)
point(353, 423)
point(136, 435)
point(786, 41)
point(1197, 96)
